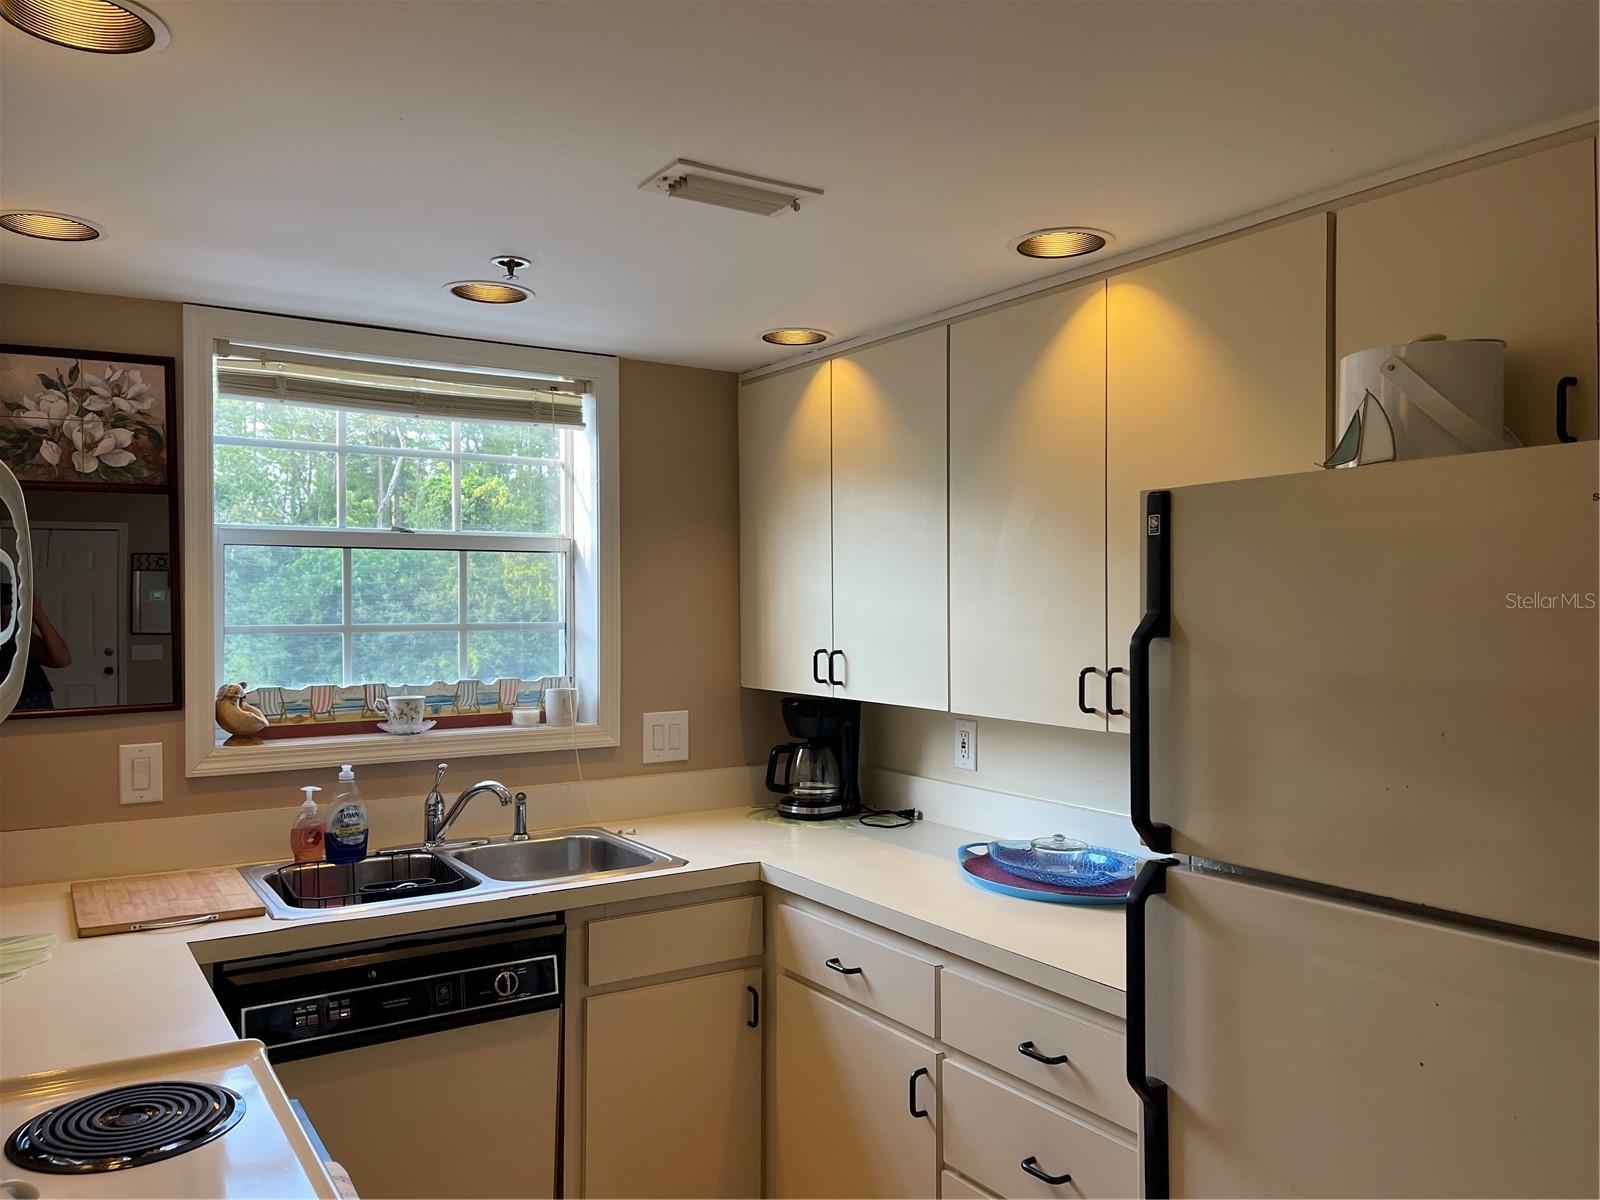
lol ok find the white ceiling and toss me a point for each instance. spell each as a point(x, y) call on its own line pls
point(344, 160)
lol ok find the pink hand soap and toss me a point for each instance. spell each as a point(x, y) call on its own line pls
point(306, 836)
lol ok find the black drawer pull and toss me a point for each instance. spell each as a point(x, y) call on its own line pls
point(755, 1007)
point(1110, 707)
point(1031, 1166)
point(833, 964)
point(1083, 678)
point(1050, 1060)
point(911, 1098)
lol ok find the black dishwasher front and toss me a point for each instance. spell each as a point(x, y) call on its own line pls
point(310, 1002)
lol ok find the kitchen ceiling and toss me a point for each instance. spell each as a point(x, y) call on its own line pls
point(346, 160)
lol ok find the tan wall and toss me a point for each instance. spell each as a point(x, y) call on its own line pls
point(680, 604)
point(1068, 766)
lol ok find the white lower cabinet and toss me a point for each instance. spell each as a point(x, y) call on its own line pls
point(672, 1093)
point(876, 1066)
point(1018, 1146)
point(857, 1105)
point(959, 1187)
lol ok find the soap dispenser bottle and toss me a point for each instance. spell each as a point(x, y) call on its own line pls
point(305, 836)
point(347, 822)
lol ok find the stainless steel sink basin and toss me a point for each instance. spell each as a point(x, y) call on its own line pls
point(376, 879)
point(565, 856)
point(562, 857)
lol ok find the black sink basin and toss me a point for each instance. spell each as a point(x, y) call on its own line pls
point(400, 875)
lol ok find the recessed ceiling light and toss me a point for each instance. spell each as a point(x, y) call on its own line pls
point(51, 226)
point(794, 337)
point(1064, 242)
point(489, 291)
point(505, 290)
point(97, 26)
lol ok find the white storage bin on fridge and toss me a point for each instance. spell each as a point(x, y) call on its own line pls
point(1422, 399)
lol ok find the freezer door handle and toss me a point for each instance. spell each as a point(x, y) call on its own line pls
point(1152, 1092)
point(1156, 622)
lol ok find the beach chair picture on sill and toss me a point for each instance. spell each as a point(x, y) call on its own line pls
point(329, 710)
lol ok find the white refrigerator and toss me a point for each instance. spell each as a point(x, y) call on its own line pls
point(1365, 725)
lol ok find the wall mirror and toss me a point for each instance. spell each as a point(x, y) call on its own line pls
point(91, 437)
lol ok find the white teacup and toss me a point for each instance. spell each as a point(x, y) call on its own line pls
point(404, 712)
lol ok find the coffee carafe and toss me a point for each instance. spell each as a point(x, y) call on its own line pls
point(817, 776)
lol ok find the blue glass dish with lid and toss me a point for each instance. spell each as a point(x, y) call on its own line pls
point(1063, 861)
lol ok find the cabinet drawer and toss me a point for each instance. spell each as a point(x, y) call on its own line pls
point(883, 977)
point(992, 1023)
point(991, 1129)
point(674, 939)
point(954, 1187)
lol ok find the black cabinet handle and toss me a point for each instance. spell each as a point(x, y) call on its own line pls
point(1156, 622)
point(1083, 678)
point(911, 1098)
point(831, 655)
point(1151, 881)
point(816, 665)
point(1111, 707)
point(755, 1006)
point(1566, 381)
point(1031, 1166)
point(833, 964)
point(1028, 1050)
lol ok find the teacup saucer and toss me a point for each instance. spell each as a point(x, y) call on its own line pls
point(423, 728)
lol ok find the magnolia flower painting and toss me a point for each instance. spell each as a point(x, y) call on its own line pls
point(84, 419)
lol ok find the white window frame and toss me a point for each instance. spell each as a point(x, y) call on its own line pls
point(594, 608)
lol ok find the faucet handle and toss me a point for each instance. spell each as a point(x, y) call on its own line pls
point(439, 777)
point(519, 828)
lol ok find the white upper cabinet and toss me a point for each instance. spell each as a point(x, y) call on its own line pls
point(1027, 510)
point(890, 617)
point(785, 543)
point(1506, 251)
point(1216, 369)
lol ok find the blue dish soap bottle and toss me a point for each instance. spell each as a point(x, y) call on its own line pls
point(346, 837)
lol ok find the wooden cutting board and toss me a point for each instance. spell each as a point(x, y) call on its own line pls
point(117, 905)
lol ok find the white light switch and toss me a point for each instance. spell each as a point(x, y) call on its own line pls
point(967, 745)
point(139, 773)
point(666, 737)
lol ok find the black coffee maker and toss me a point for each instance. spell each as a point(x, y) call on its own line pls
point(818, 776)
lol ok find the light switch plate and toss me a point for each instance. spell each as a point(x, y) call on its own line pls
point(967, 745)
point(139, 773)
point(666, 737)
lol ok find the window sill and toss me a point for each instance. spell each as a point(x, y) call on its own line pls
point(295, 753)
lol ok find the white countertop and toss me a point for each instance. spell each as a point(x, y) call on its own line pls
point(130, 995)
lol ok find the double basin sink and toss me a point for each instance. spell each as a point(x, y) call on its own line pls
point(568, 856)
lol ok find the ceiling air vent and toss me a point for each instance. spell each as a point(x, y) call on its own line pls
point(685, 179)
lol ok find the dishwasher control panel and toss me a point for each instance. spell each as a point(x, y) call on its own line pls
point(354, 997)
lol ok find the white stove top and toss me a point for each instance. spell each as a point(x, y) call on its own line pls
point(266, 1154)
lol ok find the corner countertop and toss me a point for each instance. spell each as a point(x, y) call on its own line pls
point(132, 995)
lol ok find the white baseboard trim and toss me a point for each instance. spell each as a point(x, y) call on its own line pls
point(1002, 814)
point(30, 856)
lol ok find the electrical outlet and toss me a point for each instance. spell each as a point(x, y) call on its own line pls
point(967, 745)
point(139, 773)
point(666, 737)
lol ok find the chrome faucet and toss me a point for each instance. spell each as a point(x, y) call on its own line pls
point(435, 820)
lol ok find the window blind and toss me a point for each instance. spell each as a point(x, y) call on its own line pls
point(415, 389)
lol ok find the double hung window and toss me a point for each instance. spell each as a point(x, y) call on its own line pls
point(382, 527)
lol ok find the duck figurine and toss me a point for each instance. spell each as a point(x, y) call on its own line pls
point(237, 717)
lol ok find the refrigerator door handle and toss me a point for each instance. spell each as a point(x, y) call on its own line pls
point(1152, 1092)
point(1156, 622)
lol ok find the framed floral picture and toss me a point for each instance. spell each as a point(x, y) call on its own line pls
point(86, 419)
